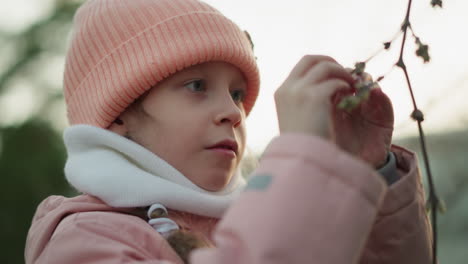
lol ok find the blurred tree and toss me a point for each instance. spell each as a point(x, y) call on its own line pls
point(32, 154)
point(449, 160)
point(31, 165)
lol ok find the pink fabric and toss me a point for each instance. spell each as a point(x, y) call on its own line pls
point(83, 229)
point(321, 206)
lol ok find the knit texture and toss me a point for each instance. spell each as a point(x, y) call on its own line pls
point(121, 48)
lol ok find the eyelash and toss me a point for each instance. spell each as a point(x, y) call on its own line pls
point(241, 93)
point(200, 87)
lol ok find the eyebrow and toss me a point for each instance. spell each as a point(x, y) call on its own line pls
point(240, 82)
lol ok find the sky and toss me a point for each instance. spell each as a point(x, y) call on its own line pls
point(349, 31)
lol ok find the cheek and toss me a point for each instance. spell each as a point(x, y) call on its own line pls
point(172, 138)
point(242, 137)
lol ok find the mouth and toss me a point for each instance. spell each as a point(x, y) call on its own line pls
point(225, 145)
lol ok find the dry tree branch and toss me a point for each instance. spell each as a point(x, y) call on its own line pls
point(350, 102)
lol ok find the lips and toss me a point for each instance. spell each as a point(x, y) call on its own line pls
point(225, 144)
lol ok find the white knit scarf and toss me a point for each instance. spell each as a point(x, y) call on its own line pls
point(124, 174)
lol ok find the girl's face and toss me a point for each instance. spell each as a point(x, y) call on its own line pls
point(194, 120)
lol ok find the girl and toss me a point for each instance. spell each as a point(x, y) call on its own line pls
point(157, 93)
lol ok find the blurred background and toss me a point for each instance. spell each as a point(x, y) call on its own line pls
point(33, 41)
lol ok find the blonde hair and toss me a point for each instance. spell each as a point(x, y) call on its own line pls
point(183, 242)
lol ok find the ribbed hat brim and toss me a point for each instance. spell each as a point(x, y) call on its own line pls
point(139, 63)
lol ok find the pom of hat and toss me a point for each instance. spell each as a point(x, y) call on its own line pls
point(121, 48)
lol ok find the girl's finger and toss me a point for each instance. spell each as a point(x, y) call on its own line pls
point(307, 62)
point(329, 87)
point(367, 77)
point(325, 70)
point(363, 78)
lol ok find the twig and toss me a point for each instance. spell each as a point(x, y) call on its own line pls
point(419, 117)
point(350, 102)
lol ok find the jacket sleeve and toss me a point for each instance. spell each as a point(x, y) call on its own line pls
point(307, 202)
point(401, 232)
point(390, 171)
point(105, 238)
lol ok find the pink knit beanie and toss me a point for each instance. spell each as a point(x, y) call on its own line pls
point(122, 48)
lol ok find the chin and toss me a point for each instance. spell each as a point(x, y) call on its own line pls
point(215, 182)
point(215, 187)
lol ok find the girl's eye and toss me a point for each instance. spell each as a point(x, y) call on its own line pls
point(195, 86)
point(238, 96)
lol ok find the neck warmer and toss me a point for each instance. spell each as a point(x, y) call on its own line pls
point(122, 173)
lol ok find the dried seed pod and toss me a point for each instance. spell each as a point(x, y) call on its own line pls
point(363, 89)
point(417, 115)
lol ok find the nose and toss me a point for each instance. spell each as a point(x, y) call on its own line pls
point(228, 113)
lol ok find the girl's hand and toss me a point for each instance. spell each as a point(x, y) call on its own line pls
point(365, 131)
point(303, 100)
point(306, 103)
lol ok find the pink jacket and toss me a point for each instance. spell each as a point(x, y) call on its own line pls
point(308, 202)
